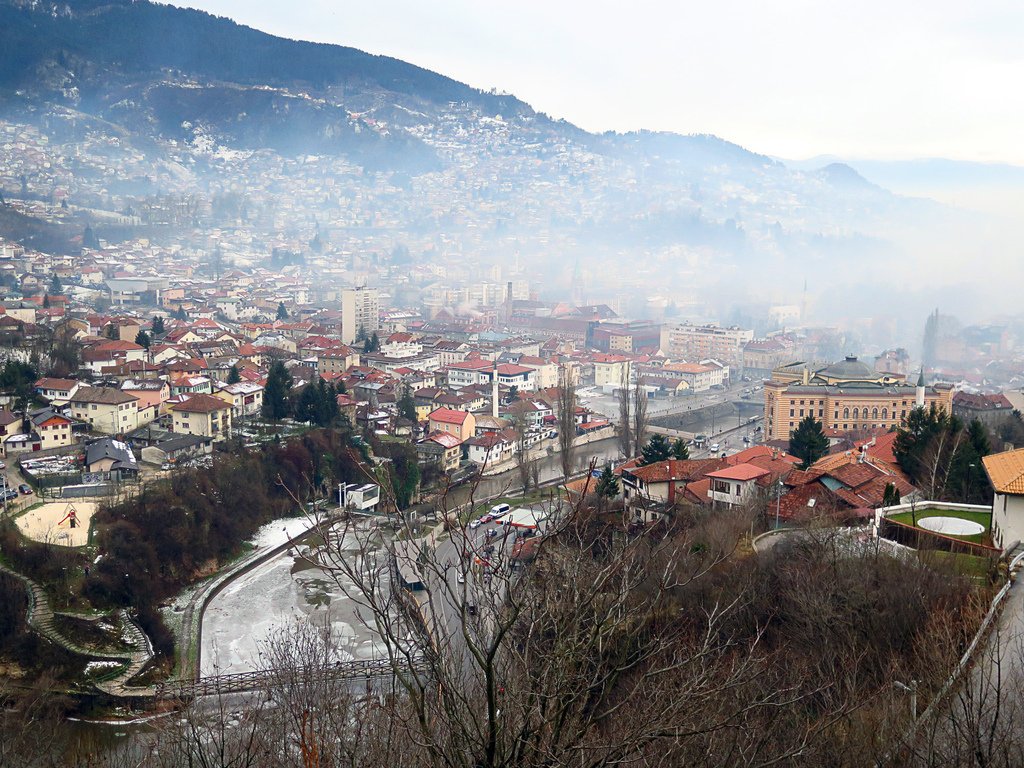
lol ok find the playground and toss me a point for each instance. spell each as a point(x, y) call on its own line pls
point(59, 522)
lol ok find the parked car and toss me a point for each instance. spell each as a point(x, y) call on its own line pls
point(3, 465)
point(25, 489)
point(10, 495)
point(491, 533)
point(474, 524)
point(714, 447)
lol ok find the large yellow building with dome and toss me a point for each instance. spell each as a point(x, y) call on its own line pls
point(847, 396)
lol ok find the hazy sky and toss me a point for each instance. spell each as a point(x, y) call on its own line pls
point(791, 78)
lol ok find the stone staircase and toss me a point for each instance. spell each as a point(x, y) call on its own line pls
point(41, 618)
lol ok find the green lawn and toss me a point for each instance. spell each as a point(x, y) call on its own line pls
point(973, 567)
point(981, 518)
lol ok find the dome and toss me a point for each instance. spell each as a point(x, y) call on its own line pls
point(850, 368)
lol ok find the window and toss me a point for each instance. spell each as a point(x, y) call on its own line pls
point(792, 412)
point(885, 413)
point(856, 413)
point(846, 413)
point(801, 412)
point(874, 413)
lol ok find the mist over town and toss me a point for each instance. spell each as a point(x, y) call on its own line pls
point(354, 414)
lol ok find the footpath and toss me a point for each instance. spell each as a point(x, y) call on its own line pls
point(41, 618)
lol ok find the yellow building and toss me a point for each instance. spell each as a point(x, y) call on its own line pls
point(846, 396)
point(204, 416)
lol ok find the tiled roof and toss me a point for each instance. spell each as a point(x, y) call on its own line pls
point(741, 472)
point(448, 416)
point(1006, 471)
point(203, 404)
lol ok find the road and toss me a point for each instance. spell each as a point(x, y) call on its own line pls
point(608, 405)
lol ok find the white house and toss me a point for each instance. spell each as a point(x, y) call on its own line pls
point(1006, 473)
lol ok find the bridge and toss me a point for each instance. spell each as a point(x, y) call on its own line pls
point(263, 678)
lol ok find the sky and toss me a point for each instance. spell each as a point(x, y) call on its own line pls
point(791, 78)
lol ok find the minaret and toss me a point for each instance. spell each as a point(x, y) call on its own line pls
point(920, 389)
point(494, 390)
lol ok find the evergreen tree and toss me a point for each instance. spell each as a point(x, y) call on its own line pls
point(158, 325)
point(808, 442)
point(89, 239)
point(372, 344)
point(282, 311)
point(657, 449)
point(142, 339)
point(277, 392)
point(608, 483)
point(891, 496)
point(46, 301)
point(327, 411)
point(233, 375)
point(513, 394)
point(679, 449)
point(407, 405)
point(111, 332)
point(181, 314)
point(306, 407)
point(55, 287)
point(361, 334)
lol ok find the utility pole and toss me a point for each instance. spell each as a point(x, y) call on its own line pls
point(912, 690)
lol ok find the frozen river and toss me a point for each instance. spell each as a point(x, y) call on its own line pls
point(283, 590)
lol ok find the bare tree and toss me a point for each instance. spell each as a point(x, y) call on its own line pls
point(566, 421)
point(639, 416)
point(626, 415)
point(522, 450)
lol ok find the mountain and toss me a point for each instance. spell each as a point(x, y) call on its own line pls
point(146, 66)
point(177, 119)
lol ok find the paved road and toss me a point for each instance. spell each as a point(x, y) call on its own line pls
point(608, 406)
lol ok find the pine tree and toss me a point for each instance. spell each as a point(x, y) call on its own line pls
point(158, 325)
point(142, 339)
point(679, 449)
point(657, 449)
point(306, 407)
point(277, 391)
point(327, 411)
point(46, 301)
point(891, 496)
point(407, 405)
point(808, 442)
point(233, 375)
point(282, 311)
point(608, 484)
point(180, 314)
point(55, 287)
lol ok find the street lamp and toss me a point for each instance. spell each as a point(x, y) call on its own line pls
point(778, 500)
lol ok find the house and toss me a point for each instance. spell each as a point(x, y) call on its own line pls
point(1006, 473)
point(111, 458)
point(491, 448)
point(105, 410)
point(203, 415)
point(735, 485)
point(53, 429)
point(174, 448)
point(245, 397)
point(441, 448)
point(458, 423)
point(10, 424)
point(56, 391)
